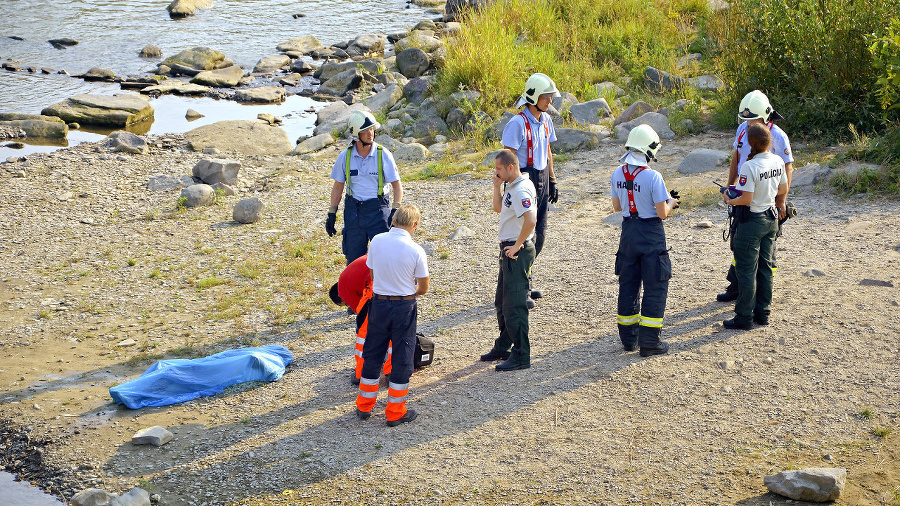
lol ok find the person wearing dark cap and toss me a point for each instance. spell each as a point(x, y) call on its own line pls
point(354, 289)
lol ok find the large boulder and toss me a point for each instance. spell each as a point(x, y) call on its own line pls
point(182, 8)
point(330, 69)
point(151, 51)
point(453, 9)
point(659, 123)
point(429, 126)
point(216, 170)
point(590, 112)
point(815, 484)
point(228, 77)
point(248, 210)
point(413, 62)
point(91, 497)
point(177, 87)
point(706, 83)
point(810, 175)
point(633, 111)
point(302, 45)
point(264, 95)
point(570, 139)
point(564, 101)
point(342, 83)
point(197, 195)
point(703, 160)
point(658, 80)
point(313, 144)
point(384, 99)
point(332, 119)
point(103, 110)
point(34, 125)
point(249, 137)
point(270, 64)
point(192, 61)
point(366, 45)
point(127, 142)
point(416, 90)
point(98, 74)
point(419, 40)
point(410, 153)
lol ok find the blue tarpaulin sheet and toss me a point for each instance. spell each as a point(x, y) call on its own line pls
point(179, 380)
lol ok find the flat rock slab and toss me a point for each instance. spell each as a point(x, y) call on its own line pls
point(250, 137)
point(703, 160)
point(156, 436)
point(265, 95)
point(177, 87)
point(104, 110)
point(815, 484)
point(658, 122)
point(314, 144)
point(810, 175)
point(227, 77)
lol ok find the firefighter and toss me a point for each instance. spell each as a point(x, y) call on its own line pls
point(640, 194)
point(528, 135)
point(354, 289)
point(363, 172)
point(756, 109)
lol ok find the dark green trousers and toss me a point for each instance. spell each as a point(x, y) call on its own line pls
point(509, 301)
point(754, 246)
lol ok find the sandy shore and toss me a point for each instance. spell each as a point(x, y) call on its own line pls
point(100, 276)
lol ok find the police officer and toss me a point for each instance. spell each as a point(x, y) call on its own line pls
point(514, 199)
point(762, 178)
point(756, 109)
point(362, 172)
point(640, 194)
point(529, 134)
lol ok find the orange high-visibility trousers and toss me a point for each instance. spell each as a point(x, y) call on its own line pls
point(361, 339)
point(368, 394)
point(396, 405)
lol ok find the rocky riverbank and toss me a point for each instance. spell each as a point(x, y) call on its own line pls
point(102, 275)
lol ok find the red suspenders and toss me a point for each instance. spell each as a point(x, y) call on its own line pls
point(769, 124)
point(629, 184)
point(529, 140)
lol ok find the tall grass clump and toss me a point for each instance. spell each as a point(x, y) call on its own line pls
point(811, 57)
point(576, 42)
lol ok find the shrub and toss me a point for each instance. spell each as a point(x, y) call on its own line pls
point(811, 57)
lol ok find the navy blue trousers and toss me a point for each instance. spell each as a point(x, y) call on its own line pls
point(363, 220)
point(391, 321)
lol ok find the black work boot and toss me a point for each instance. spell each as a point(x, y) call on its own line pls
point(511, 365)
point(727, 296)
point(661, 348)
point(406, 418)
point(735, 324)
point(495, 355)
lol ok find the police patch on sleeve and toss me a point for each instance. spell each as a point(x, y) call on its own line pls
point(787, 151)
point(743, 180)
point(526, 203)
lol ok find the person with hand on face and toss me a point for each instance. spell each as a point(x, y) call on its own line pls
point(762, 179)
point(528, 135)
point(514, 199)
point(362, 172)
point(755, 109)
point(642, 258)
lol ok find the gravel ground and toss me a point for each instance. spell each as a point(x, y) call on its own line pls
point(588, 423)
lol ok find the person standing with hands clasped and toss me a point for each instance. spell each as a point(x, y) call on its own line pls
point(528, 135)
point(514, 199)
point(363, 170)
point(399, 275)
point(642, 258)
point(762, 178)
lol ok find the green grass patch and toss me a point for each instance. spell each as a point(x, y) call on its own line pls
point(883, 149)
point(143, 358)
point(882, 431)
point(210, 282)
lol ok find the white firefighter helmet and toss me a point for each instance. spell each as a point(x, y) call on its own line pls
point(537, 85)
point(361, 121)
point(644, 140)
point(755, 105)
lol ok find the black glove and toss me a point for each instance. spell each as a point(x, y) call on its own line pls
point(675, 195)
point(554, 192)
point(329, 224)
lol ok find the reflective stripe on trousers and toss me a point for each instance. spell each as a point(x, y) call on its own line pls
point(368, 394)
point(396, 406)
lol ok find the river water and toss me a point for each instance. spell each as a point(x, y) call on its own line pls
point(112, 32)
point(15, 493)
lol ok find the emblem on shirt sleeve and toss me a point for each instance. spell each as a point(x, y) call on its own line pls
point(787, 151)
point(526, 203)
point(743, 180)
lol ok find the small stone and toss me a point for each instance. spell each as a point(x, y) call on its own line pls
point(197, 195)
point(816, 484)
point(461, 232)
point(126, 343)
point(814, 273)
point(768, 361)
point(876, 282)
point(91, 497)
point(705, 224)
point(210, 151)
point(87, 221)
point(156, 436)
point(248, 210)
point(829, 457)
point(191, 115)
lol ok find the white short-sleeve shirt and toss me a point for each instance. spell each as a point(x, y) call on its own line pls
point(364, 172)
point(762, 175)
point(648, 189)
point(396, 261)
point(519, 197)
point(781, 145)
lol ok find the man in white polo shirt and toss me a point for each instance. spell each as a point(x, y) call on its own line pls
point(399, 275)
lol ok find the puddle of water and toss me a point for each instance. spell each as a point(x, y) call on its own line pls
point(168, 117)
point(16, 493)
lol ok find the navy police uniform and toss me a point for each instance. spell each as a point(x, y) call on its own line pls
point(642, 258)
point(367, 209)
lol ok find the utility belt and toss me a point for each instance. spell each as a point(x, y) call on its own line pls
point(504, 244)
point(395, 297)
point(771, 213)
point(382, 199)
point(646, 220)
